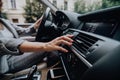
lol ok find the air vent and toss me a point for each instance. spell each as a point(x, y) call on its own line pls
point(82, 43)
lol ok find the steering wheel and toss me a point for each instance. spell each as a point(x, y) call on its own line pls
point(41, 28)
point(46, 30)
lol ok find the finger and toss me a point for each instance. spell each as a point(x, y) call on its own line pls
point(67, 38)
point(64, 42)
point(61, 49)
point(58, 38)
point(70, 36)
point(39, 20)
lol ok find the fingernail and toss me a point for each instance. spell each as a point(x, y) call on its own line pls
point(66, 51)
point(70, 44)
point(72, 40)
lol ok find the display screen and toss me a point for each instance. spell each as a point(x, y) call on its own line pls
point(105, 29)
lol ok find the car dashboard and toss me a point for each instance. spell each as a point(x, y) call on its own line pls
point(86, 51)
point(95, 51)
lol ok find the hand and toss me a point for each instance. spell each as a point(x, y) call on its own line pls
point(37, 23)
point(55, 44)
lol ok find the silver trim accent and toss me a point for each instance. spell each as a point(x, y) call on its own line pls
point(52, 74)
point(89, 65)
point(65, 68)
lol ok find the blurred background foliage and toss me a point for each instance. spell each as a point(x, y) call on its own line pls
point(110, 3)
point(33, 10)
point(81, 7)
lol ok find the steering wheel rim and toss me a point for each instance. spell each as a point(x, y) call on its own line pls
point(42, 25)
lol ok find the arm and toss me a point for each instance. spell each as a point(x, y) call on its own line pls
point(30, 30)
point(25, 46)
point(10, 46)
point(49, 46)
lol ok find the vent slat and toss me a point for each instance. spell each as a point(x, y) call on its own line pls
point(79, 48)
point(83, 42)
point(92, 40)
point(84, 46)
point(79, 42)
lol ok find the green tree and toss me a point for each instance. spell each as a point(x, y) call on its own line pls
point(33, 11)
point(82, 7)
point(110, 3)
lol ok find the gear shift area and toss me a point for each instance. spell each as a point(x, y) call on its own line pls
point(32, 75)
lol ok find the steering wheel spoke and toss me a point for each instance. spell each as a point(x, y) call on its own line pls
point(46, 31)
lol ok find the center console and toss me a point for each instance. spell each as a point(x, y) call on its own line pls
point(87, 50)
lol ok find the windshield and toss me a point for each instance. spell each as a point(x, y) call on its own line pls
point(83, 6)
point(28, 11)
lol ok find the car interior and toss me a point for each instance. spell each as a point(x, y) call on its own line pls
point(95, 53)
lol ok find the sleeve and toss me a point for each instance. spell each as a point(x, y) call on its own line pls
point(10, 46)
point(30, 30)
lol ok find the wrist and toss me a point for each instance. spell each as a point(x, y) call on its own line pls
point(45, 47)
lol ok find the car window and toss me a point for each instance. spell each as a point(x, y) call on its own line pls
point(22, 11)
point(83, 6)
point(28, 11)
